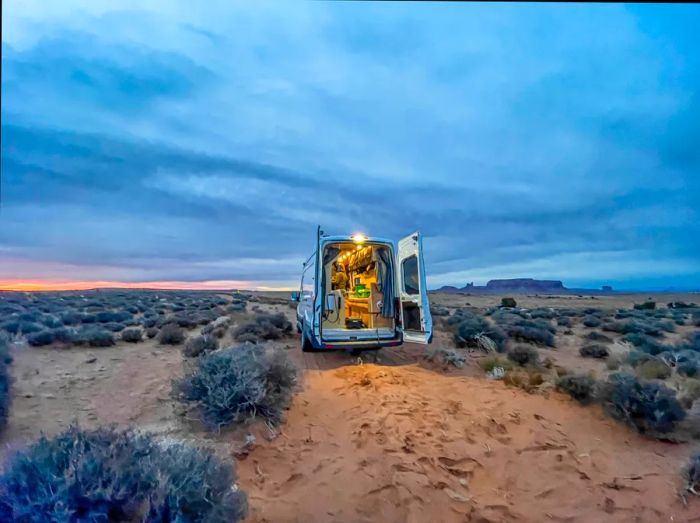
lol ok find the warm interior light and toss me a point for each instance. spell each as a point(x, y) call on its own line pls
point(359, 238)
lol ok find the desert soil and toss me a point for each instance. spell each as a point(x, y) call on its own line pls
point(397, 440)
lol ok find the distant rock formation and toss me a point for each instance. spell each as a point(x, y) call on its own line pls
point(514, 286)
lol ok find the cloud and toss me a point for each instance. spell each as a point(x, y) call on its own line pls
point(162, 142)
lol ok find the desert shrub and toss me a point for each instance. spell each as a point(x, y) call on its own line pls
point(688, 392)
point(263, 327)
point(508, 302)
point(528, 379)
point(439, 310)
point(71, 317)
point(647, 305)
point(218, 327)
point(446, 356)
point(524, 355)
point(653, 370)
point(636, 357)
point(598, 336)
point(564, 321)
point(594, 350)
point(543, 313)
point(591, 321)
point(50, 321)
point(648, 326)
point(5, 379)
point(171, 334)
point(149, 322)
point(644, 343)
point(96, 337)
point(41, 338)
point(198, 345)
point(648, 407)
point(152, 332)
point(113, 326)
point(182, 320)
point(581, 387)
point(21, 327)
point(107, 475)
point(112, 316)
point(534, 335)
point(236, 307)
point(64, 335)
point(613, 362)
point(132, 335)
point(489, 363)
point(238, 383)
point(89, 318)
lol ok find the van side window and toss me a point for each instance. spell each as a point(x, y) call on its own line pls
point(308, 280)
point(409, 269)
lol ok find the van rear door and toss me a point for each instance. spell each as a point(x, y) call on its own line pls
point(416, 321)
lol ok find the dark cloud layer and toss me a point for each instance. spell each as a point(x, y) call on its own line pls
point(159, 144)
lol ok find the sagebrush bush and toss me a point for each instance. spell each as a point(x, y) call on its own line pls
point(112, 316)
point(439, 310)
point(198, 345)
point(238, 383)
point(648, 407)
point(581, 387)
point(171, 334)
point(647, 305)
point(524, 355)
point(132, 335)
point(594, 350)
point(598, 336)
point(151, 332)
point(653, 370)
point(108, 475)
point(263, 327)
point(591, 321)
point(95, 337)
point(564, 321)
point(535, 335)
point(5, 379)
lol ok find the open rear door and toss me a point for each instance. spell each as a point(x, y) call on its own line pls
point(417, 324)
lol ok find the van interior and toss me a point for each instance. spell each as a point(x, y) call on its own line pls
point(354, 278)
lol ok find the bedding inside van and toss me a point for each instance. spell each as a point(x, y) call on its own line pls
point(360, 281)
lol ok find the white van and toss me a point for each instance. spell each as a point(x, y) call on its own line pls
point(360, 293)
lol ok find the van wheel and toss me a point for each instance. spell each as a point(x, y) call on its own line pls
point(305, 343)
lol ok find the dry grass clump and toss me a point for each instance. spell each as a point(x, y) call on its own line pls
point(653, 370)
point(527, 378)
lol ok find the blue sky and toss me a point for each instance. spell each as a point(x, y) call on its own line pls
point(163, 141)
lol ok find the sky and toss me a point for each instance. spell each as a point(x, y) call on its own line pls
point(187, 144)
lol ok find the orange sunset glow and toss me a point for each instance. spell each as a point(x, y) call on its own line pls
point(55, 285)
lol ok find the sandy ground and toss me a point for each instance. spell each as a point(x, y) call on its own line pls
point(396, 441)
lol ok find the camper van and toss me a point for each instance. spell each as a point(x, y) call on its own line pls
point(359, 293)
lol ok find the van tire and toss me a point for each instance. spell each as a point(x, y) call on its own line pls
point(305, 343)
